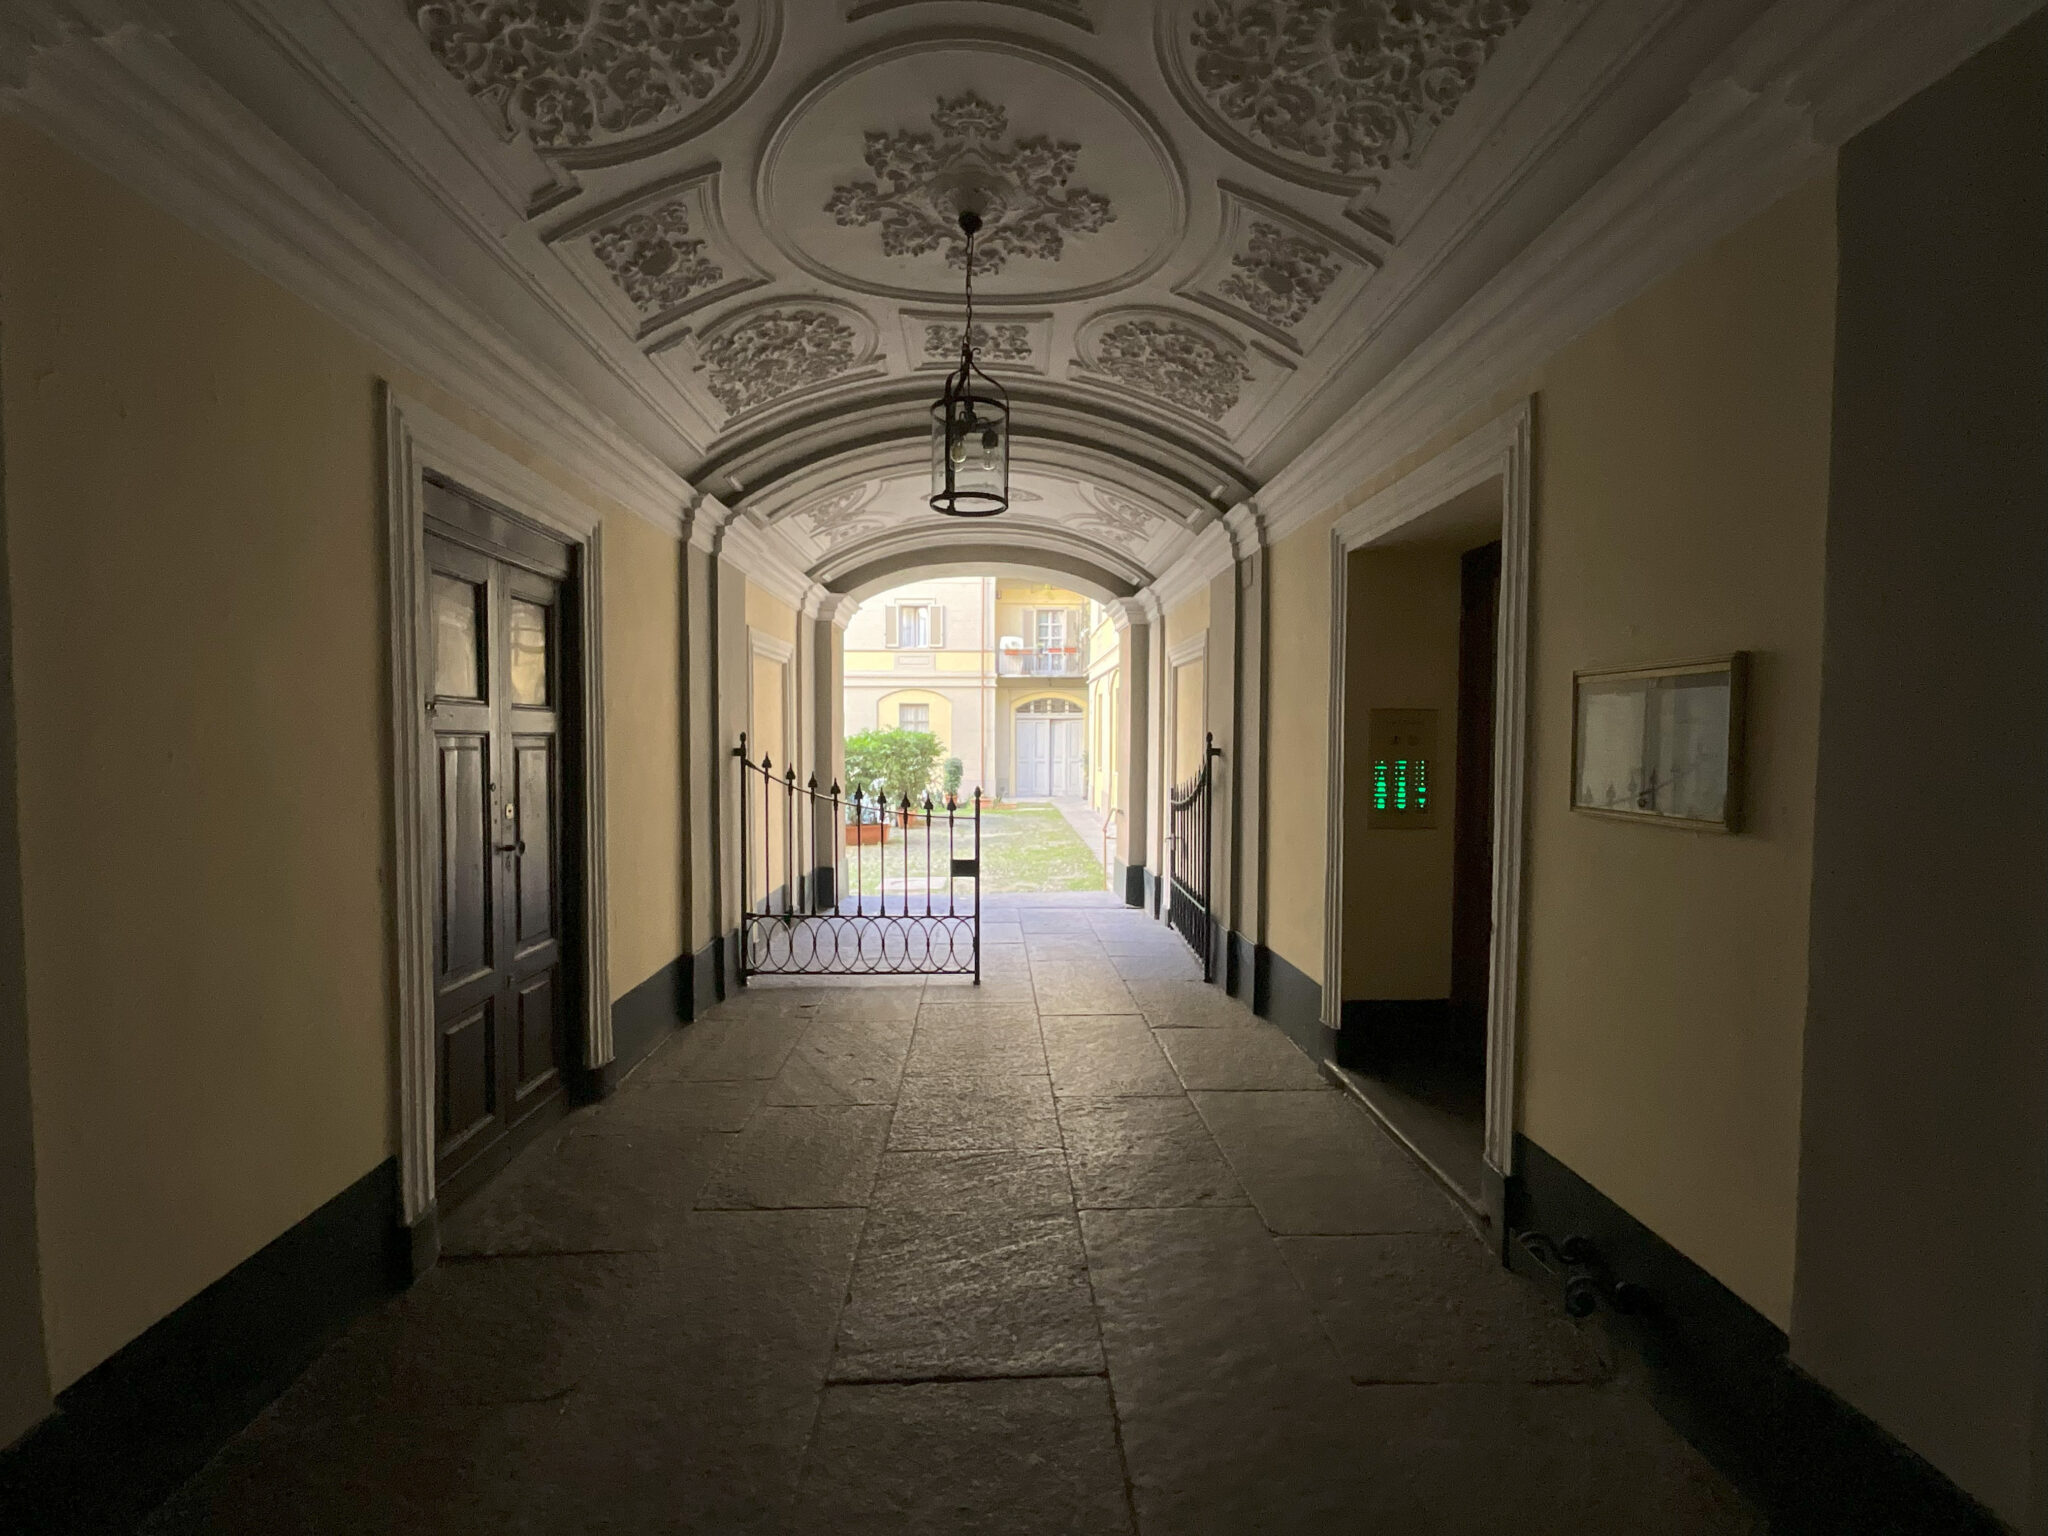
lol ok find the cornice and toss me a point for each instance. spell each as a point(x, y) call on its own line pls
point(1208, 556)
point(102, 78)
point(1765, 117)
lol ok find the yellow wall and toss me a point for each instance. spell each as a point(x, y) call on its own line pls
point(1402, 653)
point(194, 495)
point(770, 614)
point(644, 832)
point(1190, 716)
point(1680, 500)
point(941, 711)
point(1297, 726)
point(1682, 496)
point(1188, 617)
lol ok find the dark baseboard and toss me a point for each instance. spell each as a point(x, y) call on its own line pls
point(1287, 997)
point(131, 1430)
point(1129, 879)
point(1240, 968)
point(1718, 1371)
point(1377, 1032)
point(649, 1014)
point(707, 978)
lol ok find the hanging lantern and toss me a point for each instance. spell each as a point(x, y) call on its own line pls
point(970, 426)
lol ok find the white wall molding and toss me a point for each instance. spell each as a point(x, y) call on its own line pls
point(1761, 120)
point(102, 78)
point(418, 440)
point(1207, 557)
point(1502, 449)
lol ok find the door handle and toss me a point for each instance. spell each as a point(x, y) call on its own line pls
point(518, 847)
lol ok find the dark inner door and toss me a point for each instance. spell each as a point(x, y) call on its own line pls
point(1472, 830)
point(504, 975)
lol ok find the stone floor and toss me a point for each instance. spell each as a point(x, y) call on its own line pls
point(1088, 1249)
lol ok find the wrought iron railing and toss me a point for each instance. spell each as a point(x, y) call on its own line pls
point(1190, 860)
point(1045, 661)
point(822, 900)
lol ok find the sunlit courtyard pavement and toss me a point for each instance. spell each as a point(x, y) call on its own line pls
point(1085, 1249)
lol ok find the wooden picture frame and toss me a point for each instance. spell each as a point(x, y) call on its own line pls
point(1662, 744)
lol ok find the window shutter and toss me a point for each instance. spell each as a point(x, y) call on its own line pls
point(891, 630)
point(938, 612)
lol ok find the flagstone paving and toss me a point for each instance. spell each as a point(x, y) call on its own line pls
point(1095, 1251)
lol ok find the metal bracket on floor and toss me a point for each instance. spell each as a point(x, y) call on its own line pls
point(1586, 1277)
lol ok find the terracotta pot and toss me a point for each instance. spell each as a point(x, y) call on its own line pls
point(864, 832)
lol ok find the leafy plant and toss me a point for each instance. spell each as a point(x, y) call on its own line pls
point(955, 772)
point(894, 763)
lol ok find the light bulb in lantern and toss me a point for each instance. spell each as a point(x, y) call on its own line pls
point(958, 451)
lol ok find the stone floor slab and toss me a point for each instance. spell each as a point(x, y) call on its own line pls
point(1139, 1152)
point(727, 1046)
point(1232, 1407)
point(967, 1296)
point(799, 1157)
point(974, 1183)
point(977, 1040)
point(587, 1194)
point(1188, 1004)
point(1313, 1164)
point(1155, 962)
point(1079, 986)
point(1254, 1059)
point(997, 1458)
point(970, 1114)
point(841, 1062)
point(1436, 1307)
point(670, 1106)
point(1098, 1057)
point(1549, 1460)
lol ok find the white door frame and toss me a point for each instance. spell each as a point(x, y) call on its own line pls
point(1500, 449)
point(418, 439)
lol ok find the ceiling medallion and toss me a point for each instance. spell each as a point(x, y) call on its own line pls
point(1346, 87)
point(1280, 276)
point(776, 352)
point(1172, 362)
point(1003, 343)
point(921, 179)
point(971, 420)
point(575, 77)
point(654, 258)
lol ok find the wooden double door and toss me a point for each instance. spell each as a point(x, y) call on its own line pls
point(507, 806)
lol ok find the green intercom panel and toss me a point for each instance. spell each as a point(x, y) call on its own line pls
point(1405, 777)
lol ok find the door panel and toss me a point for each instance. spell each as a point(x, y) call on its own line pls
point(495, 607)
point(1034, 757)
point(469, 1078)
point(533, 854)
point(539, 1033)
point(465, 897)
point(1066, 735)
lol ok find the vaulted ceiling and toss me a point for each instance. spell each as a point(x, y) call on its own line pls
point(728, 225)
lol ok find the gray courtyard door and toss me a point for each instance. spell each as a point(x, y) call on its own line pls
point(1051, 749)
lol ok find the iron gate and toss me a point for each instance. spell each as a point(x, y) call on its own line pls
point(836, 884)
point(1188, 861)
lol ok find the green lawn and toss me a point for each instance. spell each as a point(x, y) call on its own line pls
point(1023, 848)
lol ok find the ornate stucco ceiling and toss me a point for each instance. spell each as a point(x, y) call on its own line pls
point(728, 224)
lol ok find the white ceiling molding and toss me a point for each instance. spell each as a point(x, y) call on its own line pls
point(1208, 557)
point(101, 78)
point(1762, 119)
point(735, 275)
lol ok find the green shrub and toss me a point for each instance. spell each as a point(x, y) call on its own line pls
point(897, 764)
point(955, 772)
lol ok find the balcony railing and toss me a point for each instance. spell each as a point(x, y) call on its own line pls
point(1046, 661)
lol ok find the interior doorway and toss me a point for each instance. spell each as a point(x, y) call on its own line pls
point(501, 711)
point(1428, 703)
